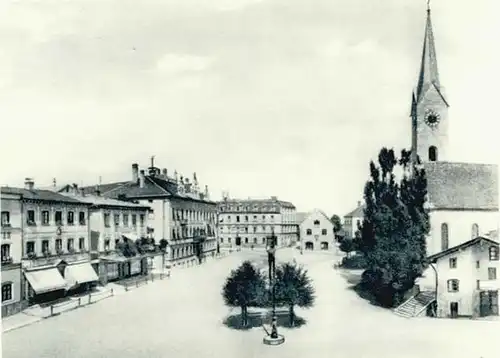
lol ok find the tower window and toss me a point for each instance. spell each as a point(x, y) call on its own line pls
point(433, 154)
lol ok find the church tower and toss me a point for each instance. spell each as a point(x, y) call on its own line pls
point(429, 107)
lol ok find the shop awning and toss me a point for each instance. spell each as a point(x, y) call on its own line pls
point(45, 280)
point(80, 273)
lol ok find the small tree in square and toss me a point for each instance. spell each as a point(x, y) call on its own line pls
point(293, 288)
point(245, 287)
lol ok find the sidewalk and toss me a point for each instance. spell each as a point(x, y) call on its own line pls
point(18, 320)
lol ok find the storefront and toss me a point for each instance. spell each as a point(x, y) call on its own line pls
point(44, 285)
point(80, 277)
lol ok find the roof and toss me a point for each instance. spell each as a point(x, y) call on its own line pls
point(251, 201)
point(40, 195)
point(462, 246)
point(462, 185)
point(300, 217)
point(356, 213)
point(104, 201)
point(317, 211)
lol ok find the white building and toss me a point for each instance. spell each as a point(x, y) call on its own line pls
point(353, 220)
point(317, 232)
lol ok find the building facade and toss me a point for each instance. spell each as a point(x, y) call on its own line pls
point(55, 244)
point(353, 220)
point(317, 232)
point(467, 283)
point(247, 223)
point(12, 278)
point(117, 230)
point(182, 213)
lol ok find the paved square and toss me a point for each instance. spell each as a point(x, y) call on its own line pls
point(182, 317)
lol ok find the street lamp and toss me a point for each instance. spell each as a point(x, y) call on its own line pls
point(274, 338)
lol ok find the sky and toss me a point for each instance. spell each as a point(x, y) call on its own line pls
point(286, 98)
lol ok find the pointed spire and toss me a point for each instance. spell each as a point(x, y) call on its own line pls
point(429, 74)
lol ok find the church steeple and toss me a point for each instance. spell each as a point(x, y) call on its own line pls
point(429, 74)
point(429, 107)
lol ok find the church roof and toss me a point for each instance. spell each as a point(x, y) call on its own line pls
point(462, 185)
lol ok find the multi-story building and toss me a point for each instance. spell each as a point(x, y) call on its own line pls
point(353, 220)
point(183, 214)
point(55, 243)
point(317, 232)
point(467, 284)
point(249, 222)
point(115, 228)
point(12, 283)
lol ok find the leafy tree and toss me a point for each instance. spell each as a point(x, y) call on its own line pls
point(293, 288)
point(347, 245)
point(337, 223)
point(245, 287)
point(163, 244)
point(394, 229)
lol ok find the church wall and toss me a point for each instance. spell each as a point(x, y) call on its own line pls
point(459, 226)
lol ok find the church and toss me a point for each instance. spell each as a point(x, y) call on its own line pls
point(462, 203)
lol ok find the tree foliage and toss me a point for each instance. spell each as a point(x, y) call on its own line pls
point(293, 288)
point(163, 244)
point(245, 287)
point(337, 223)
point(347, 245)
point(395, 225)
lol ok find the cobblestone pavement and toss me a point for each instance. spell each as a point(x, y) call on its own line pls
point(182, 317)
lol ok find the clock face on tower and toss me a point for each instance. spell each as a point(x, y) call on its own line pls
point(432, 118)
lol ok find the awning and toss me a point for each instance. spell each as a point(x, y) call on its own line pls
point(80, 273)
point(45, 280)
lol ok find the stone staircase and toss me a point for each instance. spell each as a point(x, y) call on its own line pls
point(416, 306)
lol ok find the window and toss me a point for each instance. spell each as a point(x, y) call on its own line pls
point(492, 273)
point(45, 217)
point(246, 217)
point(6, 291)
point(45, 247)
point(134, 220)
point(246, 240)
point(475, 231)
point(58, 217)
point(433, 154)
point(106, 220)
point(478, 264)
point(58, 245)
point(30, 220)
point(116, 219)
point(237, 218)
point(229, 240)
point(255, 229)
point(71, 218)
point(71, 245)
point(106, 245)
point(316, 222)
point(478, 284)
point(493, 253)
point(5, 218)
point(221, 240)
point(323, 231)
point(141, 219)
point(444, 236)
point(453, 262)
point(453, 285)
point(272, 217)
point(309, 232)
point(263, 217)
point(5, 253)
point(81, 243)
point(30, 247)
point(81, 217)
point(263, 240)
point(254, 240)
point(246, 230)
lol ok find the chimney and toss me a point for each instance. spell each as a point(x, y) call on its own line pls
point(54, 182)
point(164, 173)
point(135, 172)
point(75, 188)
point(97, 191)
point(141, 179)
point(29, 183)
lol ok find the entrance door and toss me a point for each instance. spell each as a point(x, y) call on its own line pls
point(454, 309)
point(488, 303)
point(309, 245)
point(238, 241)
point(324, 245)
point(494, 302)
